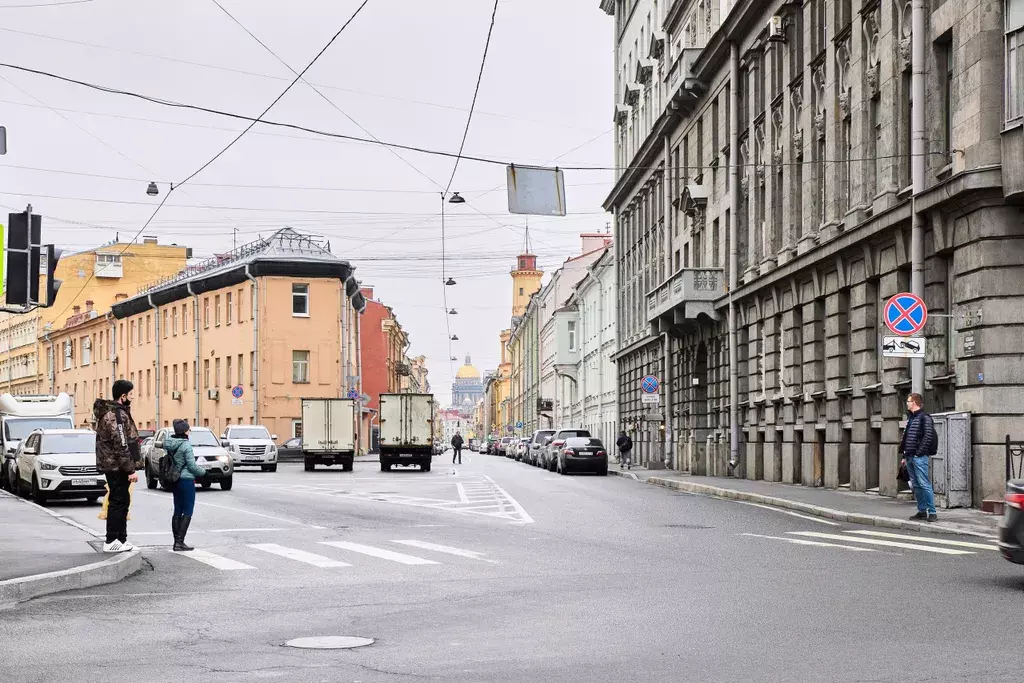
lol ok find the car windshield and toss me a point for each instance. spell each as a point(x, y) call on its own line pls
point(16, 429)
point(569, 433)
point(506, 440)
point(202, 437)
point(583, 442)
point(248, 433)
point(68, 443)
point(540, 437)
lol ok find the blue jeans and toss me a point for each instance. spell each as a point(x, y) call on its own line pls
point(917, 468)
point(184, 497)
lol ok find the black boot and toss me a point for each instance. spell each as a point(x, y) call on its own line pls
point(175, 525)
point(179, 540)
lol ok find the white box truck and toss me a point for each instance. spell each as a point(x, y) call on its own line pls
point(406, 430)
point(328, 432)
point(19, 416)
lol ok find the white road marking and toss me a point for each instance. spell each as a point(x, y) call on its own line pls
point(523, 516)
point(937, 541)
point(800, 541)
point(471, 554)
point(377, 552)
point(228, 531)
point(250, 512)
point(791, 513)
point(462, 493)
point(215, 561)
point(299, 555)
point(878, 541)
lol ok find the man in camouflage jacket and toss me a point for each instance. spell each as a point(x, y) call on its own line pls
point(117, 457)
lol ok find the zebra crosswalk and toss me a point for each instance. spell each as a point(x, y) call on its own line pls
point(331, 555)
point(857, 539)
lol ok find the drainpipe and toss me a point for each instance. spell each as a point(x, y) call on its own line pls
point(666, 342)
point(112, 356)
point(734, 209)
point(255, 347)
point(156, 330)
point(917, 170)
point(195, 327)
point(52, 361)
point(359, 384)
point(666, 350)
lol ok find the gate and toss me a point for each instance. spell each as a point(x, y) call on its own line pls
point(950, 467)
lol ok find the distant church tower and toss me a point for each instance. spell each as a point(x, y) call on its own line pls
point(525, 278)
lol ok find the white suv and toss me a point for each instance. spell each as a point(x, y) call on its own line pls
point(251, 445)
point(59, 463)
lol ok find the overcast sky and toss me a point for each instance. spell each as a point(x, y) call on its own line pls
point(404, 70)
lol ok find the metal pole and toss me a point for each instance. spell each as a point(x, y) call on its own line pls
point(734, 206)
point(359, 385)
point(917, 170)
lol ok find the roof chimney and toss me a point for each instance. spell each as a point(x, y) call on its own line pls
point(76, 309)
point(120, 296)
point(149, 239)
point(88, 305)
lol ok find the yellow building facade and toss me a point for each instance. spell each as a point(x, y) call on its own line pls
point(91, 281)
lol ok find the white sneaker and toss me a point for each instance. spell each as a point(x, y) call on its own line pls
point(113, 547)
point(127, 547)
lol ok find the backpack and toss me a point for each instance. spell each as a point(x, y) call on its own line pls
point(168, 472)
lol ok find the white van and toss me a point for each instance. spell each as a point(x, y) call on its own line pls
point(22, 415)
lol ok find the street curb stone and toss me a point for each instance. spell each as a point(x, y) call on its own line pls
point(808, 508)
point(110, 570)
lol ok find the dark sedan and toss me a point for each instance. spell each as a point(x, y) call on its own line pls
point(583, 454)
point(1011, 528)
point(290, 450)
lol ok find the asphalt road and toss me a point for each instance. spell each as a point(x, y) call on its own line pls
point(496, 571)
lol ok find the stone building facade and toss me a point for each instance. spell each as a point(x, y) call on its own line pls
point(788, 123)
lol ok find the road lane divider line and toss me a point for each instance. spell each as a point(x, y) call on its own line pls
point(791, 513)
point(450, 550)
point(215, 561)
point(878, 541)
point(524, 517)
point(801, 541)
point(462, 492)
point(380, 553)
point(922, 539)
point(299, 555)
point(250, 512)
point(228, 531)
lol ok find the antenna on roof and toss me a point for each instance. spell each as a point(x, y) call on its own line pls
point(526, 237)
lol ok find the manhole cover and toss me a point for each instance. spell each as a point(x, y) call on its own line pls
point(686, 526)
point(329, 642)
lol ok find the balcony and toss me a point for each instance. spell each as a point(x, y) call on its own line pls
point(686, 296)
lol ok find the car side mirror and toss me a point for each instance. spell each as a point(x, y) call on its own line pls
point(223, 436)
point(159, 443)
point(224, 443)
point(273, 437)
point(30, 451)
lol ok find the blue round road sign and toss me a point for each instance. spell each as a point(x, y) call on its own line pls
point(236, 391)
point(905, 314)
point(649, 384)
point(519, 425)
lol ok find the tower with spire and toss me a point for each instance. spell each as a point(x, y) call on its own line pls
point(526, 277)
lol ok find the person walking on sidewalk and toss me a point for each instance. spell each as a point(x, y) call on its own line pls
point(180, 450)
point(457, 445)
point(118, 458)
point(625, 445)
point(920, 441)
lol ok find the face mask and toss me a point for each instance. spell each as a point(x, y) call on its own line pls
point(126, 403)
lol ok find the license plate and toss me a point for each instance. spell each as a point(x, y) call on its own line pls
point(83, 482)
point(252, 458)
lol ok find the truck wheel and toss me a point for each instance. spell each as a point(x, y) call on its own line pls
point(309, 465)
point(346, 467)
point(426, 466)
point(385, 467)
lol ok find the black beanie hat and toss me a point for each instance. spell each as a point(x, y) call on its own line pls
point(180, 428)
point(122, 387)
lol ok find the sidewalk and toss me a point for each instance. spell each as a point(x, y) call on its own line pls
point(42, 552)
point(840, 505)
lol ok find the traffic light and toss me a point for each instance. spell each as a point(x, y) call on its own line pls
point(52, 284)
point(23, 258)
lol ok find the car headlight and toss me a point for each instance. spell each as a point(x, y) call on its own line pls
point(47, 466)
point(273, 448)
point(223, 458)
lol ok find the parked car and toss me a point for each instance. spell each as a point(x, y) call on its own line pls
point(146, 434)
point(1011, 527)
point(290, 450)
point(59, 463)
point(536, 442)
point(251, 445)
point(522, 448)
point(550, 453)
point(582, 453)
point(503, 444)
point(210, 455)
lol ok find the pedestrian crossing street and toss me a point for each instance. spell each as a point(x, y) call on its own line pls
point(332, 555)
point(865, 540)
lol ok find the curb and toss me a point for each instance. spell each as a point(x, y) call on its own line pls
point(808, 508)
point(106, 571)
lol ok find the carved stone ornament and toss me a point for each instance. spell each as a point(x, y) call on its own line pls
point(905, 53)
point(777, 158)
point(844, 104)
point(819, 124)
point(699, 218)
point(798, 144)
point(872, 79)
point(745, 184)
point(759, 173)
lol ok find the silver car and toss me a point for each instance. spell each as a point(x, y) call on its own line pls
point(251, 445)
point(210, 455)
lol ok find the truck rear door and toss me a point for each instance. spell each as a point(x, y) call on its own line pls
point(341, 428)
point(314, 425)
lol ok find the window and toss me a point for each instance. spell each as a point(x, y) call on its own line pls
point(241, 374)
point(66, 347)
point(184, 376)
point(120, 341)
point(944, 59)
point(239, 304)
point(252, 301)
point(184, 318)
point(300, 367)
point(228, 375)
point(149, 329)
point(86, 346)
point(252, 368)
point(216, 311)
point(206, 311)
point(520, 291)
point(166, 318)
point(166, 386)
point(230, 308)
point(206, 373)
point(175, 377)
point(572, 335)
point(131, 332)
point(300, 300)
point(149, 383)
point(1014, 60)
point(216, 372)
point(174, 321)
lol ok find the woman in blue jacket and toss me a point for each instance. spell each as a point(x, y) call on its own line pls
point(180, 450)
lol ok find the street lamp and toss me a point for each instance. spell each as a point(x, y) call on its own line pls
point(456, 199)
point(455, 337)
point(450, 281)
point(453, 312)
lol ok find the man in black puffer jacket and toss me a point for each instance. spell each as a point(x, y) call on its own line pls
point(920, 441)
